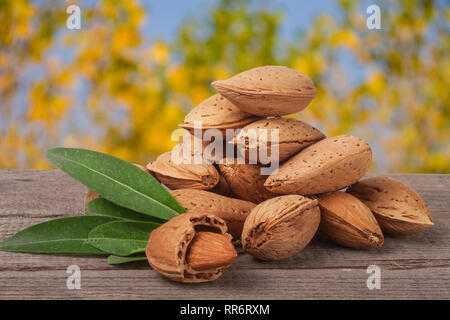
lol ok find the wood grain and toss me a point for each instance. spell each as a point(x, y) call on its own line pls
point(414, 267)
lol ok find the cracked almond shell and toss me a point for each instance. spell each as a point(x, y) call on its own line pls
point(328, 165)
point(245, 180)
point(397, 207)
point(184, 175)
point(232, 211)
point(349, 222)
point(293, 136)
point(216, 112)
point(268, 90)
point(280, 227)
point(168, 246)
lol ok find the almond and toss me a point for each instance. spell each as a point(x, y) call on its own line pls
point(169, 253)
point(280, 227)
point(329, 165)
point(232, 211)
point(349, 222)
point(194, 145)
point(209, 250)
point(397, 207)
point(222, 187)
point(245, 180)
point(293, 136)
point(216, 112)
point(183, 175)
point(268, 91)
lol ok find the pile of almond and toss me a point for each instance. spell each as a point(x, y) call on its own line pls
point(273, 216)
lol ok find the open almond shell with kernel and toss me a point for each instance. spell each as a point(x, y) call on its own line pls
point(169, 249)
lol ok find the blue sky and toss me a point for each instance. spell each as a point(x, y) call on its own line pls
point(164, 17)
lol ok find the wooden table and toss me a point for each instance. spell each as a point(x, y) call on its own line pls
point(414, 267)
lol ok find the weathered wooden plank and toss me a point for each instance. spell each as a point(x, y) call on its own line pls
point(412, 267)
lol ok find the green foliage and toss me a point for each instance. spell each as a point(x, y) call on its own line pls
point(121, 238)
point(117, 181)
point(104, 207)
point(64, 235)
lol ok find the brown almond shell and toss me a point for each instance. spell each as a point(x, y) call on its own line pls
point(232, 211)
point(168, 246)
point(217, 112)
point(268, 90)
point(201, 176)
point(349, 222)
point(293, 136)
point(397, 207)
point(280, 227)
point(245, 180)
point(328, 165)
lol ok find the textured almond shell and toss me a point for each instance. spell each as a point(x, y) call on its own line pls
point(268, 91)
point(280, 227)
point(216, 112)
point(168, 244)
point(232, 211)
point(222, 187)
point(329, 165)
point(397, 207)
point(246, 181)
point(349, 222)
point(193, 145)
point(294, 135)
point(176, 176)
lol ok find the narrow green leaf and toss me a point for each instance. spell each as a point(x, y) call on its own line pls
point(104, 207)
point(122, 238)
point(120, 260)
point(117, 180)
point(63, 235)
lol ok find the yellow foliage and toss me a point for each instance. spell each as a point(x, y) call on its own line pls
point(113, 91)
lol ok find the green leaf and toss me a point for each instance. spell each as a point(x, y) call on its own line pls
point(63, 235)
point(104, 207)
point(121, 238)
point(120, 260)
point(117, 180)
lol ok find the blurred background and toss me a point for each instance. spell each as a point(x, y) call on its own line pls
point(124, 81)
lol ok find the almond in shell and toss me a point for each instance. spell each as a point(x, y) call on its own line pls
point(349, 222)
point(329, 165)
point(397, 207)
point(268, 90)
point(291, 136)
point(245, 180)
point(216, 112)
point(185, 174)
point(280, 227)
point(191, 247)
point(232, 211)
